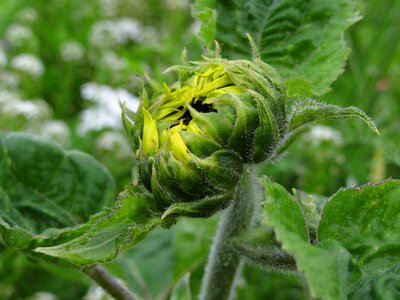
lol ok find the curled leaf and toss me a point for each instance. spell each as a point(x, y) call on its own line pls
point(310, 111)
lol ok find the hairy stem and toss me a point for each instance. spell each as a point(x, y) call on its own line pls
point(224, 263)
point(271, 259)
point(108, 283)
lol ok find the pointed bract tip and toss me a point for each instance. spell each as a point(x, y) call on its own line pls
point(254, 49)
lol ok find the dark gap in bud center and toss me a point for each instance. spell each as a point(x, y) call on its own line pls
point(200, 107)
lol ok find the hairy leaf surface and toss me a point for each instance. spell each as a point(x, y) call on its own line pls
point(55, 204)
point(45, 188)
point(357, 253)
point(366, 221)
point(303, 40)
point(325, 266)
point(126, 224)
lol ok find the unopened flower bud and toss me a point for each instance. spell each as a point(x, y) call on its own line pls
point(193, 138)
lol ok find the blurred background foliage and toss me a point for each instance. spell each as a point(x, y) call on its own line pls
point(65, 64)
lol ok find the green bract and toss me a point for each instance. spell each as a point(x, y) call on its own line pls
point(192, 138)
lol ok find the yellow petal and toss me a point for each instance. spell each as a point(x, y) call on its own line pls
point(175, 116)
point(150, 134)
point(192, 127)
point(166, 111)
point(216, 84)
point(177, 146)
point(228, 89)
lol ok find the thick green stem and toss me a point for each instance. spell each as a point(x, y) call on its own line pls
point(108, 283)
point(224, 263)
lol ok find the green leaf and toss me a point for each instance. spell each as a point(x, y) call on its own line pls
point(128, 222)
point(280, 203)
point(358, 250)
point(365, 220)
point(136, 265)
point(303, 40)
point(325, 266)
point(21, 277)
point(44, 188)
point(386, 286)
point(308, 112)
point(192, 240)
point(49, 198)
point(202, 10)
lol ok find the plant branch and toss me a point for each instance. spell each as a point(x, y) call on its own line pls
point(271, 258)
point(224, 263)
point(109, 283)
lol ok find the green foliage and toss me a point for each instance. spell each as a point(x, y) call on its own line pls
point(18, 271)
point(364, 221)
point(303, 40)
point(357, 248)
point(192, 239)
point(324, 266)
point(202, 11)
point(44, 189)
point(182, 289)
point(55, 205)
point(127, 223)
point(371, 82)
point(309, 111)
point(136, 265)
point(48, 194)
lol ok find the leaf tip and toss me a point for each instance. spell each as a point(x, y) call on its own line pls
point(362, 115)
point(50, 251)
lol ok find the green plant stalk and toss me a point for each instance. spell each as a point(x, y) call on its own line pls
point(108, 283)
point(224, 263)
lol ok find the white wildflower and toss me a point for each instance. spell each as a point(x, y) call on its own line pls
point(44, 296)
point(18, 34)
point(111, 61)
point(108, 33)
point(96, 293)
point(72, 51)
point(6, 96)
point(9, 80)
point(115, 142)
point(103, 34)
point(322, 133)
point(28, 63)
point(130, 30)
point(32, 110)
point(107, 112)
point(57, 131)
point(95, 119)
point(108, 97)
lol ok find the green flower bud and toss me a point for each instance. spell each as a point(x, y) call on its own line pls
point(193, 138)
